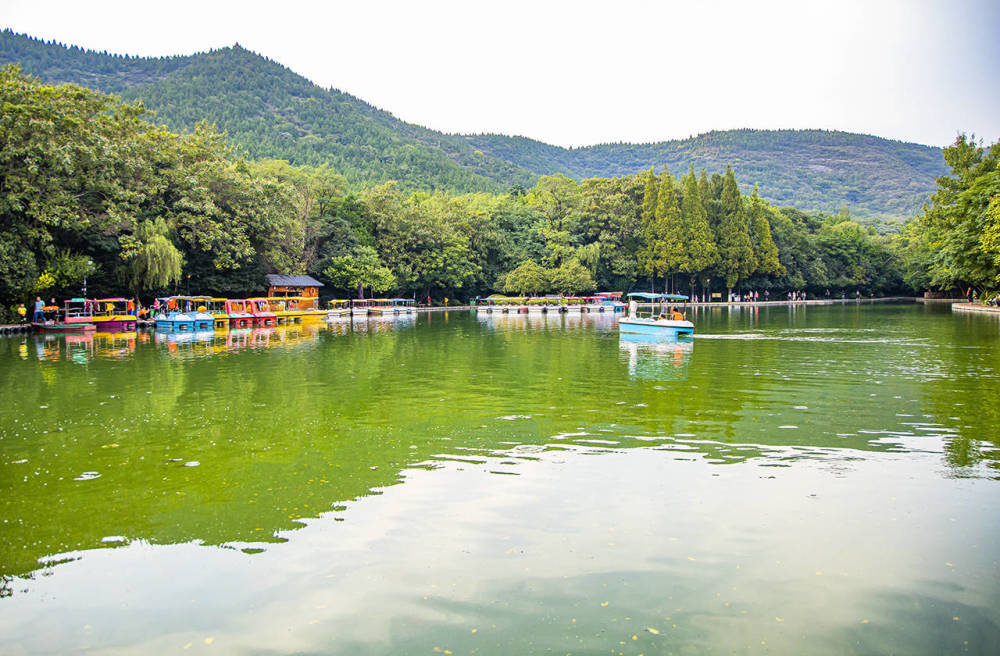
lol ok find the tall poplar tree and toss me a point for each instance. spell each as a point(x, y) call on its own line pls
point(736, 256)
point(649, 198)
point(663, 252)
point(705, 191)
point(765, 251)
point(698, 240)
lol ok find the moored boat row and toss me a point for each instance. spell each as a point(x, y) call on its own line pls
point(363, 307)
point(86, 314)
point(205, 312)
point(602, 302)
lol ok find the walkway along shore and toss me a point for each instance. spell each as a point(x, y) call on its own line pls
point(811, 301)
point(975, 307)
point(968, 307)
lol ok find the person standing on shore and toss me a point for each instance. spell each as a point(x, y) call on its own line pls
point(22, 312)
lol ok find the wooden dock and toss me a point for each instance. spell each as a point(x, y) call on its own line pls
point(13, 328)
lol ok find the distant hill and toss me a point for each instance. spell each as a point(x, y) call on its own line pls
point(272, 112)
point(808, 169)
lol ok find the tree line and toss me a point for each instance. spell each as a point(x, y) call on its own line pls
point(92, 190)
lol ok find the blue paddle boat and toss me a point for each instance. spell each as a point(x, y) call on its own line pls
point(656, 314)
point(184, 313)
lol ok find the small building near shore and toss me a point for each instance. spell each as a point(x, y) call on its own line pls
point(305, 286)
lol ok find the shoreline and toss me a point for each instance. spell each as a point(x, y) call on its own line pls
point(964, 306)
point(957, 304)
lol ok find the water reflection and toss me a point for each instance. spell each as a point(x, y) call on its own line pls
point(657, 357)
point(88, 347)
point(538, 321)
point(397, 424)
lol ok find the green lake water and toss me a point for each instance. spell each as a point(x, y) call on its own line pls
point(820, 480)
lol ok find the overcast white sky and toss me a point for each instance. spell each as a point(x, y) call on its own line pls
point(579, 73)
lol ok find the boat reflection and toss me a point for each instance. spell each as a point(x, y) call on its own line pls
point(657, 357)
point(598, 321)
point(87, 347)
point(377, 323)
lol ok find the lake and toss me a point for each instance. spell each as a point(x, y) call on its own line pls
point(821, 479)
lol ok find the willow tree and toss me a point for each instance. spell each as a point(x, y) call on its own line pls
point(152, 260)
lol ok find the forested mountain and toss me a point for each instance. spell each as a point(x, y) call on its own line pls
point(814, 169)
point(271, 112)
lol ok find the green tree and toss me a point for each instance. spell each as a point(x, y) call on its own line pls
point(765, 251)
point(153, 261)
point(649, 196)
point(735, 248)
point(527, 278)
point(960, 228)
point(362, 270)
point(663, 252)
point(698, 240)
point(557, 197)
point(571, 278)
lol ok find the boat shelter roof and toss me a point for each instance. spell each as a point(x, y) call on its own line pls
point(277, 280)
point(658, 297)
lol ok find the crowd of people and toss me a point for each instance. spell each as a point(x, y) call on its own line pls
point(794, 295)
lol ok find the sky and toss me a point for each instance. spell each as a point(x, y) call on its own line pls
point(580, 73)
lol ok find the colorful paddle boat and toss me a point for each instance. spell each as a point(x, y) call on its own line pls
point(217, 308)
point(360, 307)
point(289, 309)
point(402, 305)
point(184, 313)
point(605, 302)
point(656, 314)
point(238, 311)
point(60, 321)
point(260, 311)
point(338, 308)
point(111, 314)
point(382, 307)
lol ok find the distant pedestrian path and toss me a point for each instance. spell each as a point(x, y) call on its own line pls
point(811, 301)
point(975, 307)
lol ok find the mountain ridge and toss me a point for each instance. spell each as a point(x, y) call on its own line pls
point(272, 112)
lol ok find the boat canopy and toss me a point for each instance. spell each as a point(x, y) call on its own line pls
point(187, 298)
point(658, 297)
